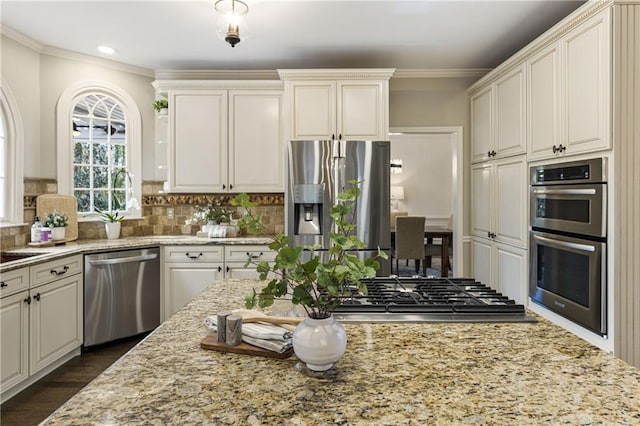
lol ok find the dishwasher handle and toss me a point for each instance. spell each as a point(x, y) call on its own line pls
point(119, 260)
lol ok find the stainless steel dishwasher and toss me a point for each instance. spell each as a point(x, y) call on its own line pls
point(121, 294)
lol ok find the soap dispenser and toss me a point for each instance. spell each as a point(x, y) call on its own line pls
point(36, 230)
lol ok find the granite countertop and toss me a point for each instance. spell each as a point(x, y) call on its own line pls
point(45, 254)
point(418, 373)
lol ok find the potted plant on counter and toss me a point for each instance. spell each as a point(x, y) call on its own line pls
point(318, 286)
point(58, 223)
point(161, 106)
point(113, 218)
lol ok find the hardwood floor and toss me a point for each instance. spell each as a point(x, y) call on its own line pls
point(37, 402)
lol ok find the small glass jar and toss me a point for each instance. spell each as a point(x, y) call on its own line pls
point(45, 235)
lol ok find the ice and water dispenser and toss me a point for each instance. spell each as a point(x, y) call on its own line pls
point(307, 202)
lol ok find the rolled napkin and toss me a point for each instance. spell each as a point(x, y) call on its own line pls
point(267, 336)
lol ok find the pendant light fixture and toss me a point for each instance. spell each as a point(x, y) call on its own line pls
point(232, 22)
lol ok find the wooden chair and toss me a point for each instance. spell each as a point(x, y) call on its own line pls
point(409, 241)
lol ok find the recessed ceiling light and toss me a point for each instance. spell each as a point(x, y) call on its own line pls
point(106, 49)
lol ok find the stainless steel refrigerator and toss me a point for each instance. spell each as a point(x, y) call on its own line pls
point(319, 170)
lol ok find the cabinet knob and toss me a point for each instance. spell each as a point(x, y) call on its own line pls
point(37, 297)
point(230, 186)
point(561, 148)
point(224, 186)
point(227, 269)
point(554, 149)
point(3, 284)
point(28, 300)
point(193, 257)
point(340, 137)
point(219, 268)
point(333, 136)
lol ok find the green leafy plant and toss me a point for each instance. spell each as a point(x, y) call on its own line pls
point(212, 212)
point(160, 103)
point(319, 287)
point(56, 220)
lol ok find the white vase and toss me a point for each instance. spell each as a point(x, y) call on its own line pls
point(58, 233)
point(163, 111)
point(113, 230)
point(319, 343)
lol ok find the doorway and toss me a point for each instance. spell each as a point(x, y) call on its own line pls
point(431, 162)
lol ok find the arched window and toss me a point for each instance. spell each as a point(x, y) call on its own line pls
point(11, 160)
point(99, 132)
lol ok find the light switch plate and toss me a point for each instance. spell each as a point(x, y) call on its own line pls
point(170, 213)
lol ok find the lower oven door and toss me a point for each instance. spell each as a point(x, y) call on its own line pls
point(568, 276)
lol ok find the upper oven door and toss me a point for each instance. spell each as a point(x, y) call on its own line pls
point(578, 209)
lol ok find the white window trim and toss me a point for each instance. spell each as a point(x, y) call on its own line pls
point(14, 136)
point(64, 137)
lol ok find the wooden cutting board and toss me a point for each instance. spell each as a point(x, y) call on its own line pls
point(211, 342)
point(66, 204)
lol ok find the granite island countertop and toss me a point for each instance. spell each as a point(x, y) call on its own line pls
point(409, 373)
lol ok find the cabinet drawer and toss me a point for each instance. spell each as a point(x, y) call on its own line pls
point(241, 253)
point(193, 254)
point(56, 269)
point(14, 281)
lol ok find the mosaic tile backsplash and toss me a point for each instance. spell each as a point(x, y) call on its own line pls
point(155, 212)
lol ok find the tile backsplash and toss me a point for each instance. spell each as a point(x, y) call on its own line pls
point(155, 211)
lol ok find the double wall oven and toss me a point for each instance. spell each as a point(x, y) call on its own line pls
point(568, 241)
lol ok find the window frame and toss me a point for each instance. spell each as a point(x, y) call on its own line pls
point(14, 143)
point(64, 137)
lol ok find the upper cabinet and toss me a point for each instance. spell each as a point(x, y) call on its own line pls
point(497, 118)
point(569, 92)
point(224, 136)
point(337, 104)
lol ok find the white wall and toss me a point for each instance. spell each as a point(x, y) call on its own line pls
point(21, 70)
point(37, 81)
point(426, 174)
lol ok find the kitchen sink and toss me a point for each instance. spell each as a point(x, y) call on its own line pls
point(6, 257)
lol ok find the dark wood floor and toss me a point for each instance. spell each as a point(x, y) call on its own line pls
point(37, 402)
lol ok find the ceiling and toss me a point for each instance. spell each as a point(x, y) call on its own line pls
point(181, 35)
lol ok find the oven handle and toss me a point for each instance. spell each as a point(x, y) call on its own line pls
point(565, 191)
point(564, 244)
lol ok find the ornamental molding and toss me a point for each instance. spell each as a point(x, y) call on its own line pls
point(337, 73)
point(440, 73)
point(216, 75)
point(155, 200)
point(552, 35)
point(166, 85)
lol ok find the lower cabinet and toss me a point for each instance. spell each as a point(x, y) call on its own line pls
point(502, 267)
point(41, 324)
point(55, 321)
point(14, 339)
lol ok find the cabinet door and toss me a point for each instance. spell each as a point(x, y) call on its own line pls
point(482, 261)
point(509, 210)
point(509, 111)
point(481, 125)
point(543, 103)
point(587, 62)
point(14, 327)
point(313, 109)
point(183, 282)
point(55, 321)
point(256, 141)
point(481, 193)
point(362, 110)
point(198, 141)
point(511, 272)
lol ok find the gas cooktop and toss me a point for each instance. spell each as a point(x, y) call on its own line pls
point(404, 299)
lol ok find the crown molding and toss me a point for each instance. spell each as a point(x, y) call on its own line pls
point(577, 17)
point(21, 38)
point(169, 84)
point(216, 74)
point(440, 73)
point(336, 73)
point(68, 54)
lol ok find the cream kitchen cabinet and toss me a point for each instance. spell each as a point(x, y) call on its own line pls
point(187, 271)
point(55, 320)
point(502, 267)
point(499, 200)
point(236, 257)
point(14, 281)
point(498, 118)
point(224, 136)
point(569, 89)
point(337, 104)
point(14, 340)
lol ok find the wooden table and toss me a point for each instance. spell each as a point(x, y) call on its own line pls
point(431, 232)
